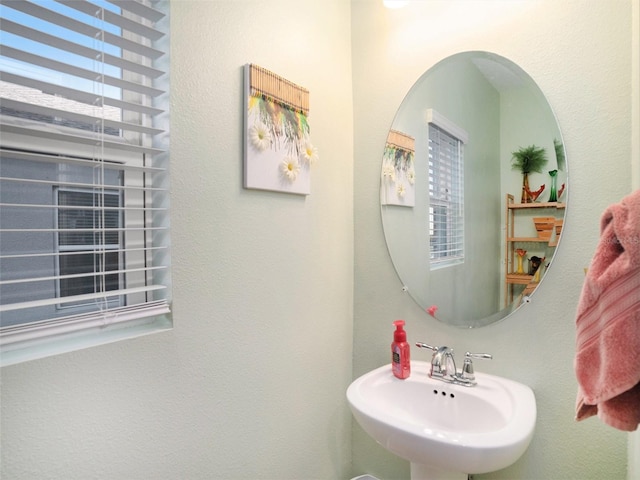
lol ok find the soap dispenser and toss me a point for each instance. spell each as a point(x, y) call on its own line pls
point(400, 361)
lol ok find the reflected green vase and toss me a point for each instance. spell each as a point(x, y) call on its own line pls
point(553, 191)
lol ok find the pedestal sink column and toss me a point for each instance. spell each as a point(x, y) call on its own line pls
point(425, 472)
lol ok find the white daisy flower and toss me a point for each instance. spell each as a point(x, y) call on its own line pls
point(388, 172)
point(290, 167)
point(310, 153)
point(260, 137)
point(411, 176)
point(400, 190)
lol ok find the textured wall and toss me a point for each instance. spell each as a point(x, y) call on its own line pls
point(251, 381)
point(578, 51)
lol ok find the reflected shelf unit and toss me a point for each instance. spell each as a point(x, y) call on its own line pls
point(513, 240)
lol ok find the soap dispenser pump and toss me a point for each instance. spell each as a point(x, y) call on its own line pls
point(400, 352)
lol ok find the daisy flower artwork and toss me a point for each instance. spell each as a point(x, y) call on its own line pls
point(278, 152)
point(397, 183)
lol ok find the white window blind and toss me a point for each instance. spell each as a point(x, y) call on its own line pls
point(446, 192)
point(84, 225)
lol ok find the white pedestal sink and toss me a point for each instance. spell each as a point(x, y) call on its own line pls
point(446, 431)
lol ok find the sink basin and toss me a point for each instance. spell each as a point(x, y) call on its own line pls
point(445, 430)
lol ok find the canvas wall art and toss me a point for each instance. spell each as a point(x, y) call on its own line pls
point(278, 152)
point(397, 186)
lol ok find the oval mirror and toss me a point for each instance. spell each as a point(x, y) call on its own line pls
point(472, 189)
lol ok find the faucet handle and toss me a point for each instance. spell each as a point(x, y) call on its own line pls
point(468, 373)
point(478, 355)
point(424, 345)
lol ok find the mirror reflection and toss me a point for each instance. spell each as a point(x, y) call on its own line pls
point(473, 184)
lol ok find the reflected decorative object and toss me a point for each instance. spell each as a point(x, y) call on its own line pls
point(534, 264)
point(521, 253)
point(527, 160)
point(538, 269)
point(558, 224)
point(553, 193)
point(561, 191)
point(398, 171)
point(534, 195)
point(560, 157)
point(544, 227)
point(538, 274)
point(278, 153)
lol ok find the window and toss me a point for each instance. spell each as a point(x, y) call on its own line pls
point(84, 226)
point(89, 241)
point(446, 191)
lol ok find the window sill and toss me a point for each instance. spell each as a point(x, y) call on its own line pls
point(34, 349)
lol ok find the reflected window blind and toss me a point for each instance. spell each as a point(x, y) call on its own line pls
point(446, 198)
point(84, 227)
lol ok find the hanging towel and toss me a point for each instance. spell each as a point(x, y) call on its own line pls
point(607, 361)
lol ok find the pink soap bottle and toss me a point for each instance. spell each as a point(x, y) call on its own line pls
point(400, 363)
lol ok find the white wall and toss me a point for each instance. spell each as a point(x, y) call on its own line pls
point(251, 381)
point(578, 51)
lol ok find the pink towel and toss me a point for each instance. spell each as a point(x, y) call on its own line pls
point(607, 362)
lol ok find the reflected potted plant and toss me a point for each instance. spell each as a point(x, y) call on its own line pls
point(527, 160)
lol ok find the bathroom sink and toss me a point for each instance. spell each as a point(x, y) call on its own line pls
point(442, 427)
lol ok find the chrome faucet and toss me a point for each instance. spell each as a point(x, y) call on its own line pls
point(443, 365)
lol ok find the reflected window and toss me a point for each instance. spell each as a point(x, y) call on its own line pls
point(446, 198)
